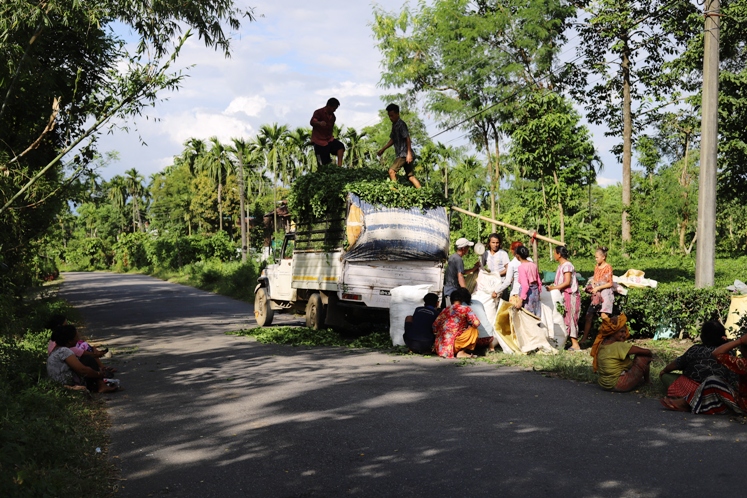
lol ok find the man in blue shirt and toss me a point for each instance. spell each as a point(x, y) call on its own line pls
point(419, 327)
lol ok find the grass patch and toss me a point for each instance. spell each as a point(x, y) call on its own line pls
point(304, 336)
point(233, 279)
point(48, 434)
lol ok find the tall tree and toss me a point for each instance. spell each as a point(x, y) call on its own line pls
point(133, 182)
point(241, 152)
point(468, 58)
point(217, 164)
point(623, 75)
point(550, 145)
point(271, 140)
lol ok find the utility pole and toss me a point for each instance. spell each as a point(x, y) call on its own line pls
point(706, 256)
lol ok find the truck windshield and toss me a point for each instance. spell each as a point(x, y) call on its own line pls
point(288, 249)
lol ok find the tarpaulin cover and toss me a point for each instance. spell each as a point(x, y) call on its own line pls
point(396, 234)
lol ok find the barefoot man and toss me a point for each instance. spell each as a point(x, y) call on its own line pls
point(400, 138)
point(322, 126)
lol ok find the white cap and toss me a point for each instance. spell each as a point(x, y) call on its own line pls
point(462, 242)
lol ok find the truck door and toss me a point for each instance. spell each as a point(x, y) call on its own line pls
point(283, 290)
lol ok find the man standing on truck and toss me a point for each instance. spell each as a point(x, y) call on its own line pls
point(400, 138)
point(322, 126)
point(454, 277)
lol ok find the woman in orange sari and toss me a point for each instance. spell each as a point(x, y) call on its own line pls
point(600, 288)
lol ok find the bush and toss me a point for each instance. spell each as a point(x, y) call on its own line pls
point(48, 434)
point(682, 309)
point(88, 254)
point(129, 251)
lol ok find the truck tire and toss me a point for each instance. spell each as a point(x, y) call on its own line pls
point(315, 312)
point(263, 312)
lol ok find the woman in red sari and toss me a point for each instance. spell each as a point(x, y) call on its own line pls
point(456, 328)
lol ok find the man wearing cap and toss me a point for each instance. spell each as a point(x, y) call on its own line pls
point(454, 278)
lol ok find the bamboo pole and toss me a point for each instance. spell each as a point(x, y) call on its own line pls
point(528, 233)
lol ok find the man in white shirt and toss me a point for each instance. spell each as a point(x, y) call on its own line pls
point(512, 273)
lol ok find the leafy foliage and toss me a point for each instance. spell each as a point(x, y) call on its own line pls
point(303, 336)
point(323, 193)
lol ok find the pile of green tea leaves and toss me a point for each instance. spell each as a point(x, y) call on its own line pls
point(304, 336)
point(391, 194)
point(323, 193)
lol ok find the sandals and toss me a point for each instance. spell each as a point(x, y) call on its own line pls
point(669, 404)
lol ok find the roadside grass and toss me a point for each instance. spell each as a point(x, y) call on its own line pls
point(564, 365)
point(232, 279)
point(49, 435)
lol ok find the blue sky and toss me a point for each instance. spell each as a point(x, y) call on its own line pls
point(297, 54)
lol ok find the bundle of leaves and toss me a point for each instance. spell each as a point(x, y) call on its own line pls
point(323, 193)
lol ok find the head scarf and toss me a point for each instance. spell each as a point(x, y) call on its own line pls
point(609, 326)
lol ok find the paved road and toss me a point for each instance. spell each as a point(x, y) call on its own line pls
point(210, 415)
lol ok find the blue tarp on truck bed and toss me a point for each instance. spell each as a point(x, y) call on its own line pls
point(378, 233)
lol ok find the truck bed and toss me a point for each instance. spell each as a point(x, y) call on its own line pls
point(369, 282)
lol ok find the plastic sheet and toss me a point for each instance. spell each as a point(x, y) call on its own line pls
point(404, 300)
point(396, 234)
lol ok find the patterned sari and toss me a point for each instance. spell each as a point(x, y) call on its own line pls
point(450, 324)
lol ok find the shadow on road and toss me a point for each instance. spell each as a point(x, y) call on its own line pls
point(212, 415)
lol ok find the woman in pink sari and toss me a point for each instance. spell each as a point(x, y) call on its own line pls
point(566, 283)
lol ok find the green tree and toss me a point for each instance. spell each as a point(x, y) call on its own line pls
point(469, 58)
point(549, 145)
point(216, 162)
point(624, 48)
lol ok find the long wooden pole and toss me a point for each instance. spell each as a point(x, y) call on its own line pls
point(528, 233)
point(707, 183)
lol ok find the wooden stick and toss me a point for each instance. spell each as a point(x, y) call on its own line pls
point(528, 233)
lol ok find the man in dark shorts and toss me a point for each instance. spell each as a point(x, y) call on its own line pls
point(322, 125)
point(400, 138)
point(419, 335)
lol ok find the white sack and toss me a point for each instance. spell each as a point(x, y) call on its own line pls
point(404, 300)
point(553, 320)
point(487, 283)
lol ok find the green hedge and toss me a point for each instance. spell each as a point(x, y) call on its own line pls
point(682, 310)
point(140, 250)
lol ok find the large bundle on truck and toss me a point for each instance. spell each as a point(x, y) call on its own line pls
point(357, 236)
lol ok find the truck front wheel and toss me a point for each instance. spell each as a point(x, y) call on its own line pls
point(263, 312)
point(315, 312)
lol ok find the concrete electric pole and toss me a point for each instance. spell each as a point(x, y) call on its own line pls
point(706, 256)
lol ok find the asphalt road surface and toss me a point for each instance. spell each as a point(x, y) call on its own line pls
point(205, 414)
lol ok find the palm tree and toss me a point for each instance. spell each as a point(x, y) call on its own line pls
point(217, 164)
point(360, 150)
point(273, 138)
point(193, 153)
point(300, 152)
point(134, 184)
point(242, 152)
point(468, 180)
point(117, 195)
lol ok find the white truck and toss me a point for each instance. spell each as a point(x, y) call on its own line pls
point(336, 269)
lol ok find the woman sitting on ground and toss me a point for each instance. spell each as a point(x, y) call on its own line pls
point(456, 327)
point(716, 395)
point(617, 371)
point(529, 282)
point(697, 364)
point(64, 367)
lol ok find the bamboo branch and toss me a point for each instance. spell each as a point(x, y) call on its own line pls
point(528, 233)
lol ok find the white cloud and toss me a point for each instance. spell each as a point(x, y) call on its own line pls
point(606, 182)
point(203, 124)
point(251, 106)
point(350, 89)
